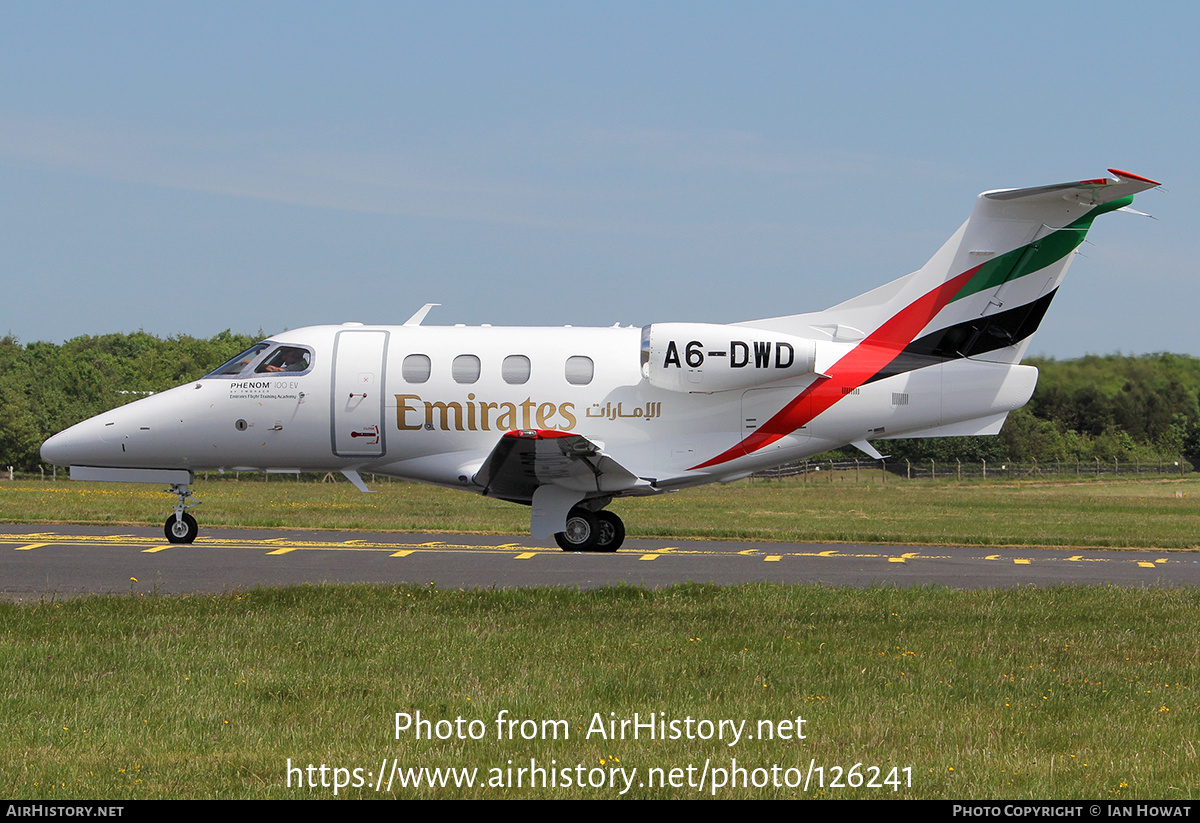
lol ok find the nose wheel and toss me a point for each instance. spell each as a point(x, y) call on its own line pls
point(181, 527)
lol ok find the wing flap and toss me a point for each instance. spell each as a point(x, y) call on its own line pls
point(528, 459)
point(552, 471)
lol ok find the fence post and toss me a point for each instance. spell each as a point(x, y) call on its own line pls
point(985, 470)
point(959, 462)
point(932, 469)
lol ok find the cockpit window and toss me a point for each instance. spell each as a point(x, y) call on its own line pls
point(286, 359)
point(267, 358)
point(239, 364)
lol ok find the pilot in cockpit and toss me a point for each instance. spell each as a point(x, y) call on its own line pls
point(287, 359)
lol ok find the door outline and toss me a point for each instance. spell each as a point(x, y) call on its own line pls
point(358, 355)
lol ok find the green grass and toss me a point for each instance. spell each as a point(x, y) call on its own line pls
point(1152, 513)
point(1056, 693)
point(1081, 692)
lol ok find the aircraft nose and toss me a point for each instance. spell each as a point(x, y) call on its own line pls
point(57, 450)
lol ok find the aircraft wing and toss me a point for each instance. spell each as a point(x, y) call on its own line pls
point(553, 471)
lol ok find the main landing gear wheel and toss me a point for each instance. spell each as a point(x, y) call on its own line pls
point(581, 534)
point(181, 530)
point(612, 531)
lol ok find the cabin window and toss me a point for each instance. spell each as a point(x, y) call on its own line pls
point(580, 370)
point(238, 364)
point(515, 369)
point(465, 368)
point(416, 368)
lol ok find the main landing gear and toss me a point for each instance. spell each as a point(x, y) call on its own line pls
point(181, 527)
point(587, 531)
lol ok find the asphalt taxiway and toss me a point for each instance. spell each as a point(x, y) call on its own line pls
point(64, 561)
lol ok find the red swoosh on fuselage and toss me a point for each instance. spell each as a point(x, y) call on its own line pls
point(855, 368)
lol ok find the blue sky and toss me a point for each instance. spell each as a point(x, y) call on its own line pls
point(187, 168)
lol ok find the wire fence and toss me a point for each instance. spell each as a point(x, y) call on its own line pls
point(815, 470)
point(876, 470)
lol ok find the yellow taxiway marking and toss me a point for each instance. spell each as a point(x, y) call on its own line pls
point(525, 555)
point(27, 541)
point(1146, 565)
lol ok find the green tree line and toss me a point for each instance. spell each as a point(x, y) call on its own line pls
point(1109, 407)
point(45, 387)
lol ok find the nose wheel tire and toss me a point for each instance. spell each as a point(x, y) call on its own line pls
point(181, 530)
point(581, 534)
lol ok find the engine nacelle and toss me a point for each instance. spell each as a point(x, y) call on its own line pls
point(707, 357)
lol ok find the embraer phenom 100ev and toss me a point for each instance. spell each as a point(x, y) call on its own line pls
point(564, 420)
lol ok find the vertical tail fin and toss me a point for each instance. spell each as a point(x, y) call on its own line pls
point(981, 296)
point(985, 291)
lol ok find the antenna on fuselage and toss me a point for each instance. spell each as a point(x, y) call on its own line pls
point(419, 315)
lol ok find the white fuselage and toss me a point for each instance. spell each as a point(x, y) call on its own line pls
point(430, 403)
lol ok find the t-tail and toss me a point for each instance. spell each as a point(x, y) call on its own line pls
point(978, 300)
point(984, 293)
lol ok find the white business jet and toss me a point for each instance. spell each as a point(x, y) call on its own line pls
point(565, 420)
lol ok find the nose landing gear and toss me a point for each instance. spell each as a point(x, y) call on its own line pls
point(181, 527)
